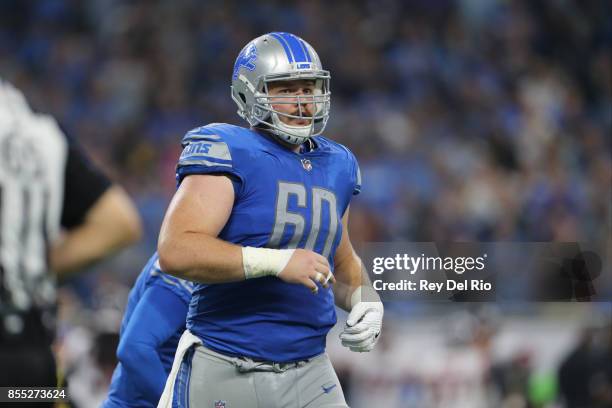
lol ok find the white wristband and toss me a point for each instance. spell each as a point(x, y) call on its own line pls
point(258, 262)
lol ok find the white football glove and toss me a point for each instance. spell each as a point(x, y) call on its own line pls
point(363, 326)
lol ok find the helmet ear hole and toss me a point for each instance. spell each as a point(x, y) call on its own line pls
point(241, 95)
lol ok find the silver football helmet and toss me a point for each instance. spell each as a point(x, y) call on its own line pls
point(280, 57)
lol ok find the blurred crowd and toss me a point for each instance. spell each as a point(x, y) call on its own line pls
point(478, 357)
point(471, 119)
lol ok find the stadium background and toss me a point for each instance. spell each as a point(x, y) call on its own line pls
point(472, 120)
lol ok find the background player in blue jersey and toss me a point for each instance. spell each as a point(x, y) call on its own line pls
point(153, 323)
point(260, 221)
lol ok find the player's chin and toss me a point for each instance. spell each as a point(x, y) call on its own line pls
point(300, 122)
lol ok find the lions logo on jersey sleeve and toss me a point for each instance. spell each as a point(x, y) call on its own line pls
point(206, 150)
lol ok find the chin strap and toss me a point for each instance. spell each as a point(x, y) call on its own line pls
point(292, 134)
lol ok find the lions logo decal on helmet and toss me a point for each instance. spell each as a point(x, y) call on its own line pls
point(246, 59)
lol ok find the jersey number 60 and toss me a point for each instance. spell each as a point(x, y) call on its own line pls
point(283, 216)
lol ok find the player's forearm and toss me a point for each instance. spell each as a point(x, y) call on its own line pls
point(111, 224)
point(350, 275)
point(201, 258)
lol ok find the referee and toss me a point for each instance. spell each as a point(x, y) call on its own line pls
point(58, 213)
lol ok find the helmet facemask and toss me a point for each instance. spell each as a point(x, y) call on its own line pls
point(316, 116)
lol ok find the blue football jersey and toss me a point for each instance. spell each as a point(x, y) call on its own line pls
point(142, 385)
point(283, 199)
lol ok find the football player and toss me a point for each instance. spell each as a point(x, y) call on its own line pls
point(260, 222)
point(152, 325)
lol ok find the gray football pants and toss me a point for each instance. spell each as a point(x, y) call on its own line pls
point(208, 379)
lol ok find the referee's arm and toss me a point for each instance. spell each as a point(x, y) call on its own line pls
point(98, 217)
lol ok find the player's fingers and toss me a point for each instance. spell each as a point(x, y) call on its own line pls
point(326, 271)
point(350, 343)
point(358, 328)
point(328, 277)
point(310, 284)
point(320, 276)
point(359, 344)
point(363, 343)
point(357, 313)
point(364, 349)
point(356, 338)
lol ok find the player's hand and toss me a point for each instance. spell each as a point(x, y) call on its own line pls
point(308, 268)
point(363, 326)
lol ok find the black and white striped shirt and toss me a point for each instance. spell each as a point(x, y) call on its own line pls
point(46, 184)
